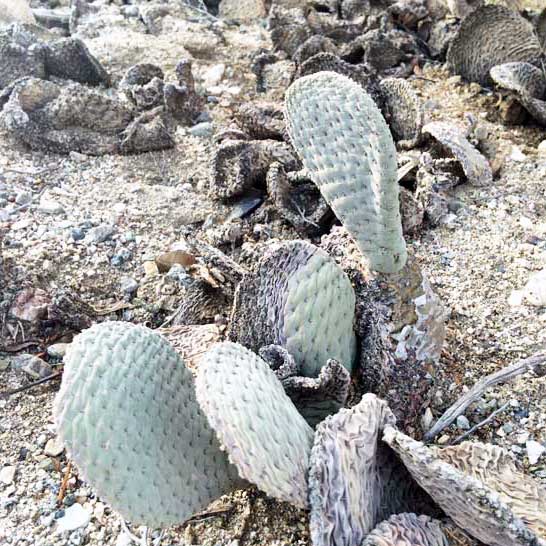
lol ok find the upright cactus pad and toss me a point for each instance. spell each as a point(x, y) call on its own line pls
point(347, 147)
point(479, 487)
point(259, 427)
point(298, 298)
point(128, 416)
point(355, 481)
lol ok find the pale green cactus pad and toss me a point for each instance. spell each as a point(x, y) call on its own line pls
point(479, 487)
point(258, 425)
point(347, 147)
point(300, 299)
point(407, 530)
point(128, 416)
point(355, 480)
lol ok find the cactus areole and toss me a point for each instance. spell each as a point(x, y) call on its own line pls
point(347, 147)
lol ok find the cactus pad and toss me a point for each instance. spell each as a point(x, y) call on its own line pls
point(347, 147)
point(298, 298)
point(355, 481)
point(489, 36)
point(479, 487)
point(523, 78)
point(407, 530)
point(261, 430)
point(129, 418)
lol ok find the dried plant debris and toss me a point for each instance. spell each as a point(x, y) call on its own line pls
point(403, 111)
point(529, 84)
point(261, 120)
point(297, 199)
point(259, 427)
point(318, 397)
point(120, 378)
point(541, 28)
point(237, 165)
point(346, 146)
point(299, 298)
point(313, 46)
point(30, 51)
point(328, 62)
point(49, 117)
point(479, 487)
point(489, 36)
point(407, 530)
point(355, 481)
point(473, 163)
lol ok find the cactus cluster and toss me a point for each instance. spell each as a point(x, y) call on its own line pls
point(156, 446)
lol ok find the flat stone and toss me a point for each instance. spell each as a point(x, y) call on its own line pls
point(462, 422)
point(57, 350)
point(75, 517)
point(7, 474)
point(53, 448)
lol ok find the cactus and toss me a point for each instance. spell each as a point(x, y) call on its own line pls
point(259, 427)
point(298, 298)
point(479, 487)
point(347, 147)
point(407, 530)
point(355, 481)
point(128, 416)
point(489, 36)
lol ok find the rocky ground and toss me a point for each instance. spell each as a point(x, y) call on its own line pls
point(95, 225)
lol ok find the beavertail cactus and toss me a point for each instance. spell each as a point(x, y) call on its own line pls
point(489, 36)
point(347, 147)
point(479, 487)
point(298, 298)
point(259, 427)
point(129, 418)
point(407, 530)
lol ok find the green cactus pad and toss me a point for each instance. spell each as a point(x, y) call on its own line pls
point(355, 480)
point(128, 416)
point(347, 147)
point(298, 298)
point(259, 427)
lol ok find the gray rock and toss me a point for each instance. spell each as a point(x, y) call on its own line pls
point(99, 234)
point(23, 197)
point(128, 286)
point(203, 130)
point(462, 422)
point(32, 365)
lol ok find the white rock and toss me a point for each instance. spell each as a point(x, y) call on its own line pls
point(517, 155)
point(214, 74)
point(123, 539)
point(7, 474)
point(49, 206)
point(542, 148)
point(426, 420)
point(535, 289)
point(516, 298)
point(534, 451)
point(53, 448)
point(75, 517)
point(242, 10)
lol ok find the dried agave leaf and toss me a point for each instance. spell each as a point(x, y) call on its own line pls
point(474, 165)
point(479, 487)
point(355, 481)
point(407, 530)
point(489, 36)
point(264, 435)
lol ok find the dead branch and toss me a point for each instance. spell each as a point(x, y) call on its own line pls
point(535, 363)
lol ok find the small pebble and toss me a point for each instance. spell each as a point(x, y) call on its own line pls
point(57, 350)
point(75, 517)
point(99, 234)
point(23, 198)
point(7, 474)
point(53, 448)
point(462, 422)
point(534, 451)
